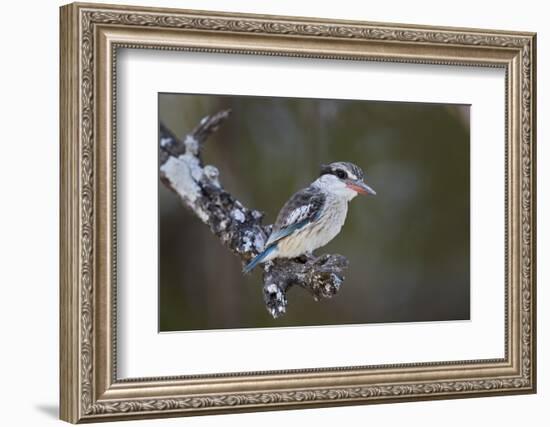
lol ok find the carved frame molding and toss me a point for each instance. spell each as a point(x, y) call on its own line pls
point(90, 37)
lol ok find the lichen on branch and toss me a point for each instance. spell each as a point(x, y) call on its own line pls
point(239, 228)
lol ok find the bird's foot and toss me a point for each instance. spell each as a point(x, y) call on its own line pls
point(306, 257)
point(302, 258)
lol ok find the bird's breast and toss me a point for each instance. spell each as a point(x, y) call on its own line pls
point(316, 234)
point(331, 221)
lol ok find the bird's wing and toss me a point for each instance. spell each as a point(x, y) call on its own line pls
point(301, 209)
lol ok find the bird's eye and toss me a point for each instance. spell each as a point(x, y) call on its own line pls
point(341, 174)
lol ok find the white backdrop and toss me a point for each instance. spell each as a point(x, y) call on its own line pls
point(143, 352)
point(29, 170)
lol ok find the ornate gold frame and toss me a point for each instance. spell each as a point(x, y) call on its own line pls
point(90, 36)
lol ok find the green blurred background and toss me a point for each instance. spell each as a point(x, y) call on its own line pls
point(408, 247)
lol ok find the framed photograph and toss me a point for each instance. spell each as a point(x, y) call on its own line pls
point(266, 212)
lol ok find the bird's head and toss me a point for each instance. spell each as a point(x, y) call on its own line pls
point(345, 179)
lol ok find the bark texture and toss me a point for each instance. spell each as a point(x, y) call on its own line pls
point(237, 226)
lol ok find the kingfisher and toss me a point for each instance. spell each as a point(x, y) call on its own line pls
point(314, 216)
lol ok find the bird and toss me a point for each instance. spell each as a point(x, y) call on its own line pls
point(314, 215)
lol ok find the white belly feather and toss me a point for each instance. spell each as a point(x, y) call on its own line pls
point(317, 234)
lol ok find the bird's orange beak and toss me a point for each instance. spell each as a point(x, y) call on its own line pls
point(361, 188)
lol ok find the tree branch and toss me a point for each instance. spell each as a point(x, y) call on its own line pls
point(238, 227)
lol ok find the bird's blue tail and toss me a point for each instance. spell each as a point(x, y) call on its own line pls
point(258, 258)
